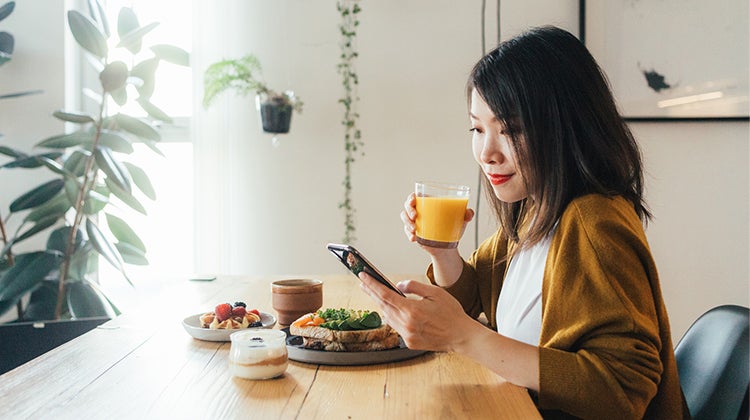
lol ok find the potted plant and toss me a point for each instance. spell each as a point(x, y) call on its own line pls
point(89, 177)
point(244, 76)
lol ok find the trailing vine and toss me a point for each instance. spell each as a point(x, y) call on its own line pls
point(349, 80)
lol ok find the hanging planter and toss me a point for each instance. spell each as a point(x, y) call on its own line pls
point(275, 111)
point(243, 75)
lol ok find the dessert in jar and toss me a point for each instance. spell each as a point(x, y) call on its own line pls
point(258, 354)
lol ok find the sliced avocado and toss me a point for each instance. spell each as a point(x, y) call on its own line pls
point(371, 320)
point(341, 324)
point(354, 324)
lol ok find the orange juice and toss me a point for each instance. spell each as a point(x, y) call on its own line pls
point(440, 220)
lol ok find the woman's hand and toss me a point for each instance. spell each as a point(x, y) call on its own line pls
point(433, 321)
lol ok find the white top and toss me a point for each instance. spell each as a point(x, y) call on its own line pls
point(519, 308)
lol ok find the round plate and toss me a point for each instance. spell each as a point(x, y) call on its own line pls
point(192, 325)
point(346, 358)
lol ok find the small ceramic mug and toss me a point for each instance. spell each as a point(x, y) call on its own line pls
point(293, 298)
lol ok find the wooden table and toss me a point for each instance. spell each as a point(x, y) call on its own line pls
point(144, 365)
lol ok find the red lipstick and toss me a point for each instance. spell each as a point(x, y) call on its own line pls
point(497, 179)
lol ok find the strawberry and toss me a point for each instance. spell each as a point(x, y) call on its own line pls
point(223, 311)
point(239, 311)
point(255, 311)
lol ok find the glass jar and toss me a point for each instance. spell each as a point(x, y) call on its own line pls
point(258, 354)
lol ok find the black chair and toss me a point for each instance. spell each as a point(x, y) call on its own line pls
point(712, 359)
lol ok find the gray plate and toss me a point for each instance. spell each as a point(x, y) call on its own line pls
point(346, 358)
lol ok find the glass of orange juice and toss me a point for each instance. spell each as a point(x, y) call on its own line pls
point(440, 213)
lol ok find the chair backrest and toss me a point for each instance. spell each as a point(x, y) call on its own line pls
point(712, 360)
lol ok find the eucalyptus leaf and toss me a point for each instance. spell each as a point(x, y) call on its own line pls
point(137, 127)
point(27, 274)
point(86, 302)
point(7, 151)
point(96, 200)
point(116, 141)
point(124, 233)
point(146, 72)
point(133, 39)
point(153, 111)
point(125, 197)
point(39, 226)
point(7, 43)
point(103, 246)
point(87, 34)
point(131, 254)
point(7, 9)
point(127, 22)
point(34, 161)
point(57, 206)
point(120, 95)
point(75, 164)
point(64, 141)
point(98, 14)
point(113, 76)
point(172, 54)
point(58, 239)
point(115, 171)
point(141, 180)
point(71, 190)
point(42, 302)
point(73, 117)
point(37, 196)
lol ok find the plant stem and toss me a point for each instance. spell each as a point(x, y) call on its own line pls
point(88, 182)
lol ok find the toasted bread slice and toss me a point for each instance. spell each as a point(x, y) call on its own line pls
point(349, 336)
point(388, 342)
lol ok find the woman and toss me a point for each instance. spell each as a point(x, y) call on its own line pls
point(567, 281)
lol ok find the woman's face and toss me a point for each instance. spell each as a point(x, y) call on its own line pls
point(494, 152)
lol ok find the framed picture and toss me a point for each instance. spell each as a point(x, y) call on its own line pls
point(672, 59)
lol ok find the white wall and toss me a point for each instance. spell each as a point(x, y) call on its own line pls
point(282, 203)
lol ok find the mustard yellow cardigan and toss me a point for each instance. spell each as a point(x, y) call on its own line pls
point(605, 345)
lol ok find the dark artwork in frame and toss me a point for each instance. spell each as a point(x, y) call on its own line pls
point(672, 60)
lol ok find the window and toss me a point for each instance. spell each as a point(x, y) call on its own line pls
point(167, 230)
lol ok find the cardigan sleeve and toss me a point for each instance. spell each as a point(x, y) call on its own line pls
point(600, 342)
point(477, 288)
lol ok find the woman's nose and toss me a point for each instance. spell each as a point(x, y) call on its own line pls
point(492, 151)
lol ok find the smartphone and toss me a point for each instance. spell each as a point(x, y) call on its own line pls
point(356, 263)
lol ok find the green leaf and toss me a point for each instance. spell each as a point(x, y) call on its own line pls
point(96, 10)
point(114, 76)
point(153, 111)
point(84, 301)
point(78, 138)
point(37, 196)
point(57, 206)
point(133, 39)
point(75, 164)
point(35, 161)
point(7, 151)
point(127, 21)
point(97, 199)
point(115, 171)
point(42, 302)
point(146, 71)
point(36, 228)
point(7, 9)
point(87, 34)
point(27, 274)
point(141, 180)
point(131, 254)
point(120, 96)
point(124, 233)
point(125, 196)
point(58, 240)
point(73, 117)
point(115, 141)
point(84, 261)
point(137, 127)
point(103, 246)
point(172, 54)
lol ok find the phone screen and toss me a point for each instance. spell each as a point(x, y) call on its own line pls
point(356, 263)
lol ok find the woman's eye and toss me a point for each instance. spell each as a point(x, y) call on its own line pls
point(475, 130)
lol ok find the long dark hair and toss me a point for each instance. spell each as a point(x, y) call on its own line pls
point(564, 126)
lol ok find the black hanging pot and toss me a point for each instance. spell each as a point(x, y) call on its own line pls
point(275, 112)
